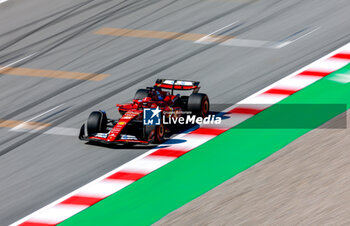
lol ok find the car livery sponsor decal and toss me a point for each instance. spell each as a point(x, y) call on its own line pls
point(152, 116)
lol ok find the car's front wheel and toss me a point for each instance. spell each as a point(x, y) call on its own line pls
point(97, 122)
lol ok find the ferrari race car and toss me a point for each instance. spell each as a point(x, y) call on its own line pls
point(133, 127)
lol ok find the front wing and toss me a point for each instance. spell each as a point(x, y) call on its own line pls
point(102, 138)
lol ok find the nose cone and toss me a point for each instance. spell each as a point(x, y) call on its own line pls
point(111, 137)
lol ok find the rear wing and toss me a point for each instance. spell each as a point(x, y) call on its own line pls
point(177, 84)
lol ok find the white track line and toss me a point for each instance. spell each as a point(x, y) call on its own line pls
point(284, 44)
point(249, 42)
point(238, 42)
point(9, 65)
point(23, 124)
point(2, 1)
point(207, 36)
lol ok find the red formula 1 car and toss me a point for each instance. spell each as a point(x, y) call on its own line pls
point(132, 128)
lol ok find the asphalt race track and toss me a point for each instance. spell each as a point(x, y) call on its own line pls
point(37, 167)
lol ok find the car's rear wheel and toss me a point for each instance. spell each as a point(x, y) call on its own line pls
point(160, 132)
point(97, 122)
point(155, 134)
point(149, 134)
point(141, 93)
point(198, 104)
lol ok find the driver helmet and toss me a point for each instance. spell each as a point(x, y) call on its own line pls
point(146, 101)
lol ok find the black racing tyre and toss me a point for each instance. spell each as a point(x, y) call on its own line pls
point(198, 104)
point(97, 122)
point(149, 133)
point(82, 132)
point(160, 133)
point(154, 134)
point(141, 93)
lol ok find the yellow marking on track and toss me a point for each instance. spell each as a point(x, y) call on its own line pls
point(51, 73)
point(23, 125)
point(159, 34)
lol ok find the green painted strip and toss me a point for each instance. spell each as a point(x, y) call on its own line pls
point(214, 162)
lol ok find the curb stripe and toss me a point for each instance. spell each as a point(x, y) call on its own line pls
point(345, 56)
point(297, 82)
point(168, 153)
point(35, 224)
point(242, 110)
point(104, 188)
point(126, 174)
point(57, 213)
point(328, 65)
point(148, 164)
point(265, 98)
point(314, 73)
point(281, 91)
point(81, 200)
point(208, 131)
